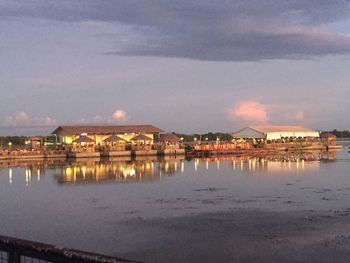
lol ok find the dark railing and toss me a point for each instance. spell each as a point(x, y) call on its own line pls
point(14, 250)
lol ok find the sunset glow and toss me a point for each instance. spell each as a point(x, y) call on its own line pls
point(250, 111)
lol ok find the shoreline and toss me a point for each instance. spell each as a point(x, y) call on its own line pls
point(237, 152)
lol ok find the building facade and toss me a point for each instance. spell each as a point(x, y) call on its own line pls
point(69, 134)
point(276, 133)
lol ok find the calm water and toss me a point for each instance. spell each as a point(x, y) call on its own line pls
point(89, 204)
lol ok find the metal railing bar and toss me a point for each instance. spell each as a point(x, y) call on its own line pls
point(16, 248)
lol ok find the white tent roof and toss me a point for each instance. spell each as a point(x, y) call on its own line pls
point(274, 132)
point(248, 132)
point(280, 128)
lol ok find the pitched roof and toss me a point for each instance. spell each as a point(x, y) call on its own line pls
point(114, 138)
point(83, 138)
point(280, 128)
point(141, 137)
point(170, 137)
point(111, 129)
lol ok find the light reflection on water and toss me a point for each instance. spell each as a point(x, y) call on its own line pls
point(154, 169)
point(49, 201)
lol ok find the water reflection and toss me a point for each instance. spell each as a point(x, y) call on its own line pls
point(154, 169)
point(140, 170)
point(286, 162)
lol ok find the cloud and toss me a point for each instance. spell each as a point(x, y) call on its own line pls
point(118, 116)
point(250, 111)
point(22, 119)
point(206, 30)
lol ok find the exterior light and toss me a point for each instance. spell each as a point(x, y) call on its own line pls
point(182, 138)
point(10, 143)
point(195, 139)
point(206, 138)
point(132, 172)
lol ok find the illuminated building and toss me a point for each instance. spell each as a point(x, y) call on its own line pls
point(67, 134)
point(275, 132)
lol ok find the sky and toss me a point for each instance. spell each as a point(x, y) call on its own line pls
point(184, 66)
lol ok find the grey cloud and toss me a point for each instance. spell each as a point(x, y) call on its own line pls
point(245, 30)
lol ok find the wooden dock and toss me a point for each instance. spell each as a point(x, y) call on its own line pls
point(44, 155)
point(217, 150)
point(198, 150)
point(109, 154)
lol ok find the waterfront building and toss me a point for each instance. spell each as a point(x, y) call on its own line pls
point(169, 141)
point(279, 137)
point(141, 142)
point(114, 143)
point(68, 134)
point(170, 144)
point(108, 141)
point(35, 143)
point(83, 144)
point(269, 133)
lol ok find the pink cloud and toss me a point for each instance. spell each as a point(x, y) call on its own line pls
point(120, 115)
point(251, 111)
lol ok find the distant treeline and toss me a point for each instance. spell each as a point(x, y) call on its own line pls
point(210, 136)
point(15, 140)
point(228, 137)
point(341, 134)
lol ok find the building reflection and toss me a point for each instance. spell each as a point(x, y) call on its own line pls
point(272, 163)
point(148, 169)
point(139, 170)
point(93, 170)
point(31, 170)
